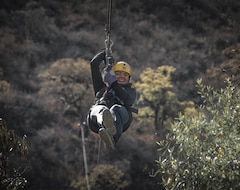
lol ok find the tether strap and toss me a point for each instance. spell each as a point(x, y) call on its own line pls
point(108, 42)
point(109, 14)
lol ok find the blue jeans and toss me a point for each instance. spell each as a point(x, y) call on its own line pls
point(121, 119)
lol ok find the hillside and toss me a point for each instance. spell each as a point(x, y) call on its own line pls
point(45, 51)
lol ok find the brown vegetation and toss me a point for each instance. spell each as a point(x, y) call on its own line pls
point(45, 85)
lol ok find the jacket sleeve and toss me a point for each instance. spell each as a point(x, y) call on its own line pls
point(95, 71)
point(128, 95)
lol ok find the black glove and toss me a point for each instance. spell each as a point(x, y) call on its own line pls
point(109, 78)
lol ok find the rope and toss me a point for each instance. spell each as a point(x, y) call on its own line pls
point(85, 157)
point(99, 150)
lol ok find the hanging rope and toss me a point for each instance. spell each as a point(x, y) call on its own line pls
point(85, 157)
point(108, 42)
point(99, 150)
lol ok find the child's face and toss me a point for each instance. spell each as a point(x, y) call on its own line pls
point(122, 77)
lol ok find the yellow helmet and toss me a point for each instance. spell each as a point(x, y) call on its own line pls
point(122, 66)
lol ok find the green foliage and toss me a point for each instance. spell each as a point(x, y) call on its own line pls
point(155, 89)
point(154, 83)
point(157, 99)
point(37, 33)
point(10, 143)
point(104, 177)
point(202, 152)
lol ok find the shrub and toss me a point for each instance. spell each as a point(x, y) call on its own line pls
point(157, 98)
point(104, 177)
point(202, 152)
point(11, 179)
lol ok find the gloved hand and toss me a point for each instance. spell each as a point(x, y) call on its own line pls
point(109, 78)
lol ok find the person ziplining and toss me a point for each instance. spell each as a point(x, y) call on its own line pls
point(111, 113)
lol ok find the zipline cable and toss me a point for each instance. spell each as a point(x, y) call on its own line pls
point(85, 157)
point(99, 150)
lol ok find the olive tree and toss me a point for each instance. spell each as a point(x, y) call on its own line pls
point(202, 152)
point(157, 99)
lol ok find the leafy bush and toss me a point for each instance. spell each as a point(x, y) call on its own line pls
point(11, 179)
point(157, 98)
point(202, 152)
point(104, 177)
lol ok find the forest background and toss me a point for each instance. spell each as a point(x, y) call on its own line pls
point(45, 94)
